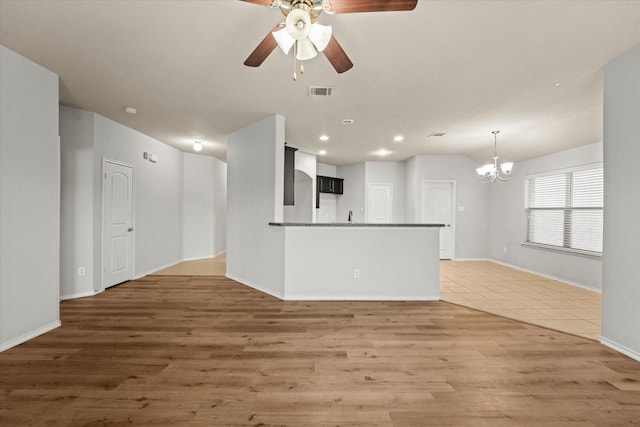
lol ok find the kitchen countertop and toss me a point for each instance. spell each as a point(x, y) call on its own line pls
point(348, 224)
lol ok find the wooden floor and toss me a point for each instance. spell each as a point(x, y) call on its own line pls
point(206, 351)
point(489, 287)
point(216, 266)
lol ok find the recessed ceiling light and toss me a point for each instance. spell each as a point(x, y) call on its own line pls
point(382, 152)
point(324, 137)
point(130, 110)
point(322, 152)
point(197, 146)
point(557, 84)
point(347, 121)
point(398, 138)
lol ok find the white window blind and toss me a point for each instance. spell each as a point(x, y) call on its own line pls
point(565, 209)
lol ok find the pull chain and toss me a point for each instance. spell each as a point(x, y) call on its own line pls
point(295, 48)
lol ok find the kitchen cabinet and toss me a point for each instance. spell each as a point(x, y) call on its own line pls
point(327, 184)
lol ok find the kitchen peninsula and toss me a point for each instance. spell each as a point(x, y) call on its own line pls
point(359, 261)
point(315, 261)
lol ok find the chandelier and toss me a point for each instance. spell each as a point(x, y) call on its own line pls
point(490, 172)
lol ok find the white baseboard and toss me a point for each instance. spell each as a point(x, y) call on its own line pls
point(30, 335)
point(470, 259)
point(548, 276)
point(620, 348)
point(78, 295)
point(254, 286)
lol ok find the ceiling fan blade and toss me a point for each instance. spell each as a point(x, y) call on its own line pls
point(355, 6)
point(260, 2)
point(266, 46)
point(336, 55)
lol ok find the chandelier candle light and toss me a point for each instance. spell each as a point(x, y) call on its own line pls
point(490, 172)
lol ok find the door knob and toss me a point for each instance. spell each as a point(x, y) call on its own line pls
point(130, 229)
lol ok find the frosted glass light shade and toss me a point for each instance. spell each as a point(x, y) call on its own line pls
point(284, 40)
point(320, 35)
point(305, 50)
point(486, 169)
point(298, 24)
point(507, 167)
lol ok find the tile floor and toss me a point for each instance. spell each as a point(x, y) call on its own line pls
point(523, 296)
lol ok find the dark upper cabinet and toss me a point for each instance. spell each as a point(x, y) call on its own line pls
point(327, 184)
point(289, 174)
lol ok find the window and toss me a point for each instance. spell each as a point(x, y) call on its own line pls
point(564, 209)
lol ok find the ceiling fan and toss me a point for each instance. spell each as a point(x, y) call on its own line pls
point(302, 32)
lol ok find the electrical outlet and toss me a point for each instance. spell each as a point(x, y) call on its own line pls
point(82, 271)
point(505, 249)
point(356, 273)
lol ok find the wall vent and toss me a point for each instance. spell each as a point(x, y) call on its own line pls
point(320, 91)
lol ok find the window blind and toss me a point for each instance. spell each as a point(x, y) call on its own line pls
point(565, 210)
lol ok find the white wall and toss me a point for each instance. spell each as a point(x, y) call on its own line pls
point(328, 202)
point(388, 173)
point(255, 182)
point(393, 263)
point(304, 208)
point(471, 225)
point(76, 209)
point(204, 210)
point(29, 200)
point(621, 263)
point(353, 198)
point(220, 207)
point(507, 222)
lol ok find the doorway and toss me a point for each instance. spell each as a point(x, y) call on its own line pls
point(438, 202)
point(379, 203)
point(117, 220)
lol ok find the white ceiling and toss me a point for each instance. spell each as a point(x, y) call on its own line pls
point(461, 67)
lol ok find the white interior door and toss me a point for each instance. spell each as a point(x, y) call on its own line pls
point(379, 203)
point(438, 200)
point(117, 246)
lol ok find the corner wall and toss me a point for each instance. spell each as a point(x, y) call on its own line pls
point(621, 266)
point(29, 200)
point(204, 207)
point(255, 184)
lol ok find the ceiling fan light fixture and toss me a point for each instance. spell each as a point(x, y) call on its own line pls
point(305, 50)
point(284, 40)
point(298, 24)
point(320, 35)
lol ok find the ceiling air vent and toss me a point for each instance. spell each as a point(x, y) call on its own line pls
point(320, 91)
point(436, 134)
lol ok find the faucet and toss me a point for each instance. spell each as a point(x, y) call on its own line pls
point(350, 216)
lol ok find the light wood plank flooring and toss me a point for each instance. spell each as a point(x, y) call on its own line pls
point(216, 266)
point(207, 351)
